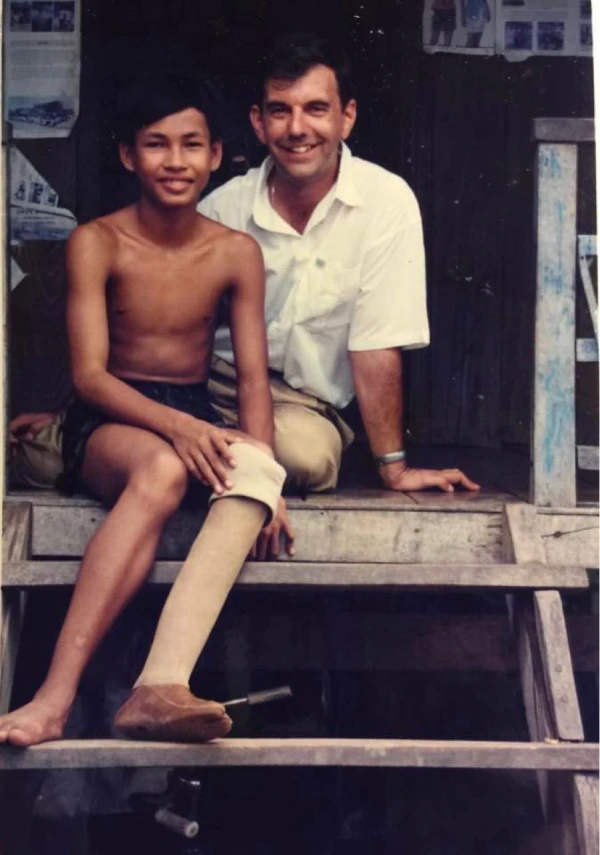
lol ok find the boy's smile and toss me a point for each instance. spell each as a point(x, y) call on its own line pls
point(173, 158)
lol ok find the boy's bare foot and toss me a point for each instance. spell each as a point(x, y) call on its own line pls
point(37, 721)
point(171, 713)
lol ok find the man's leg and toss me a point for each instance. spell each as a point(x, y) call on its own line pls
point(146, 480)
point(161, 705)
point(307, 443)
point(308, 446)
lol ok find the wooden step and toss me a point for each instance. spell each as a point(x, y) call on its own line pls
point(399, 753)
point(300, 574)
point(347, 528)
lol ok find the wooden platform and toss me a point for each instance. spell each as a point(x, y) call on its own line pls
point(362, 541)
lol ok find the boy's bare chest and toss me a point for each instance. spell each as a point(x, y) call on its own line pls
point(165, 290)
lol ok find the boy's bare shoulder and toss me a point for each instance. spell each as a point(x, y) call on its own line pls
point(228, 239)
point(102, 233)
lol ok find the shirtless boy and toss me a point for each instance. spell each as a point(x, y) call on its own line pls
point(144, 286)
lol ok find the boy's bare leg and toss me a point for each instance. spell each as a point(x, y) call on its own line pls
point(161, 706)
point(146, 478)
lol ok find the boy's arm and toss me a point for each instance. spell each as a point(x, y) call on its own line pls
point(249, 339)
point(90, 253)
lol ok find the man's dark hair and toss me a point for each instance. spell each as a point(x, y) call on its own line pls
point(148, 99)
point(292, 56)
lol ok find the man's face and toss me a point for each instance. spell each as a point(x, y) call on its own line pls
point(302, 124)
point(173, 158)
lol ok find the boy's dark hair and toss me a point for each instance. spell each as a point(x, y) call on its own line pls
point(148, 99)
point(292, 56)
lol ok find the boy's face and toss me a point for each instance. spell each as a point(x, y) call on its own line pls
point(173, 158)
point(302, 124)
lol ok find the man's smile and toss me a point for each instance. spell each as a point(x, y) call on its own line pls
point(299, 149)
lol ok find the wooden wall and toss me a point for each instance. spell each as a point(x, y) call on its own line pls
point(457, 128)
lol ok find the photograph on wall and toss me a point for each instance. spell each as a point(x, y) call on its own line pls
point(514, 28)
point(42, 67)
point(459, 26)
point(35, 213)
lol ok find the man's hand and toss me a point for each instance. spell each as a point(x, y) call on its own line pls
point(28, 425)
point(205, 450)
point(399, 476)
point(268, 542)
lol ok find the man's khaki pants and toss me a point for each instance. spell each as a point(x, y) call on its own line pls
point(309, 434)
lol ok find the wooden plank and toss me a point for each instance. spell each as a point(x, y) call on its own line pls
point(523, 542)
point(553, 474)
point(573, 535)
point(16, 541)
point(586, 793)
point(417, 536)
point(482, 500)
point(563, 130)
point(374, 753)
point(298, 574)
point(586, 252)
point(586, 350)
point(342, 499)
point(557, 665)
point(587, 245)
point(16, 531)
point(521, 535)
point(587, 457)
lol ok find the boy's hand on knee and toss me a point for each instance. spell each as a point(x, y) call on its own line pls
point(205, 450)
point(268, 542)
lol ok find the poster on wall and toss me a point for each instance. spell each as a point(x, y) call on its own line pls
point(43, 51)
point(35, 213)
point(459, 26)
point(516, 29)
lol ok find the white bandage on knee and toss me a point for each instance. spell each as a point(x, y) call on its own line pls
point(256, 476)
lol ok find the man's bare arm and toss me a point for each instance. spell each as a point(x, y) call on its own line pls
point(202, 447)
point(378, 384)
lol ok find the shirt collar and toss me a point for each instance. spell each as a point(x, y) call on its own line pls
point(267, 218)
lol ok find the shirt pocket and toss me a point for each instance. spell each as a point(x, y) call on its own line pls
point(326, 296)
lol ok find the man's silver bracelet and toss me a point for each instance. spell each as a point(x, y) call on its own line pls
point(390, 457)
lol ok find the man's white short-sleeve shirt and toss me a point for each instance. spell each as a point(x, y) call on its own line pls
point(354, 280)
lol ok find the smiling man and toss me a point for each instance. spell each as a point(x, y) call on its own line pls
point(343, 249)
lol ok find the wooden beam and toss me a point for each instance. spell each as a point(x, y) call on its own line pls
point(373, 753)
point(553, 472)
point(586, 794)
point(587, 457)
point(573, 535)
point(16, 531)
point(557, 665)
point(16, 541)
point(301, 574)
point(547, 678)
point(521, 537)
point(563, 130)
point(357, 536)
point(586, 350)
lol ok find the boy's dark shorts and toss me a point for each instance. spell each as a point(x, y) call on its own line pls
point(82, 419)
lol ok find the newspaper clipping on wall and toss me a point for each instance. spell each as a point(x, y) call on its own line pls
point(516, 29)
point(35, 213)
point(43, 50)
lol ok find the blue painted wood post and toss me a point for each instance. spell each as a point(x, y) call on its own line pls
point(553, 474)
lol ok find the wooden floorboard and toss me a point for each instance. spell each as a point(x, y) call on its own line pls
point(298, 574)
point(98, 753)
